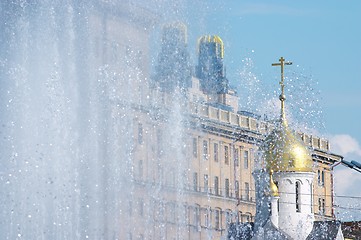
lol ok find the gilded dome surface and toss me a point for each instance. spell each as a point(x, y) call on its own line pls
point(284, 151)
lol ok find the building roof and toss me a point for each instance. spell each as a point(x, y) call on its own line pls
point(270, 231)
point(241, 231)
point(324, 230)
point(351, 230)
point(246, 231)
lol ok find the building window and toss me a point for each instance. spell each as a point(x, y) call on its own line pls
point(246, 191)
point(196, 216)
point(205, 150)
point(270, 208)
point(185, 215)
point(130, 207)
point(206, 218)
point(140, 169)
point(205, 183)
point(184, 178)
point(161, 212)
point(311, 193)
point(228, 217)
point(160, 173)
point(140, 133)
point(298, 200)
point(141, 207)
point(216, 186)
point(171, 212)
point(215, 146)
point(227, 187)
point(160, 143)
point(247, 217)
point(195, 181)
point(321, 177)
point(226, 155)
point(245, 159)
point(140, 94)
point(237, 189)
point(236, 157)
point(195, 147)
point(206, 222)
point(216, 219)
point(129, 236)
point(171, 177)
point(321, 206)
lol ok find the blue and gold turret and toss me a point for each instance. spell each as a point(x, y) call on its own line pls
point(210, 69)
point(218, 44)
point(173, 68)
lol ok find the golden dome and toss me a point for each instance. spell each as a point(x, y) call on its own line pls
point(284, 150)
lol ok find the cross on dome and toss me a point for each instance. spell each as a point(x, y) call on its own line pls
point(282, 97)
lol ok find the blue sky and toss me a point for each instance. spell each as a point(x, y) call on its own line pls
point(322, 39)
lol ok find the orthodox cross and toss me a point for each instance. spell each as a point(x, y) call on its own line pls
point(282, 63)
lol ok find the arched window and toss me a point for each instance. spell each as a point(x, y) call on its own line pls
point(217, 218)
point(246, 217)
point(311, 193)
point(298, 197)
point(228, 216)
point(196, 216)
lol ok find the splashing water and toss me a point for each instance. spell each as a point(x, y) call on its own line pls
point(92, 148)
point(72, 92)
